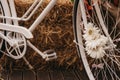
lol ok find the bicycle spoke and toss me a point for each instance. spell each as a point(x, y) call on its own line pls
point(19, 47)
point(111, 70)
point(104, 23)
point(9, 48)
point(17, 52)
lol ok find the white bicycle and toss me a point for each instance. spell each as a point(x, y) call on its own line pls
point(14, 39)
point(97, 35)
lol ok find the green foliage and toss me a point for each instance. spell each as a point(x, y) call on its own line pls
point(72, 0)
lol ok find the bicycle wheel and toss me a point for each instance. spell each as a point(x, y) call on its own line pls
point(4, 11)
point(96, 30)
point(18, 50)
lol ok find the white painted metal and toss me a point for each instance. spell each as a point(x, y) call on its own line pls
point(29, 13)
point(82, 50)
point(2, 13)
point(18, 48)
point(18, 29)
point(42, 15)
point(33, 11)
point(13, 11)
point(14, 28)
point(104, 28)
point(6, 10)
point(81, 4)
point(34, 48)
point(45, 54)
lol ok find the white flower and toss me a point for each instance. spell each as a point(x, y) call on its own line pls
point(103, 40)
point(91, 32)
point(94, 41)
point(97, 42)
point(97, 53)
point(91, 37)
point(92, 44)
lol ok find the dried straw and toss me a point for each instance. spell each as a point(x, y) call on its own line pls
point(55, 32)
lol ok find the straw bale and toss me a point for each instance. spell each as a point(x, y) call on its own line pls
point(24, 2)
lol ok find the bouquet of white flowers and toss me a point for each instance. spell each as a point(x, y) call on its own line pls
point(94, 41)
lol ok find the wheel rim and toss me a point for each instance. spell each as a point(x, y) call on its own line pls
point(18, 50)
point(107, 65)
point(2, 48)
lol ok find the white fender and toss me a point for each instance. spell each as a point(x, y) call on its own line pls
point(18, 29)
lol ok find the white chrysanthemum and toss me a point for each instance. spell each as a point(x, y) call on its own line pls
point(103, 40)
point(91, 37)
point(91, 32)
point(92, 44)
point(97, 53)
point(98, 42)
point(94, 41)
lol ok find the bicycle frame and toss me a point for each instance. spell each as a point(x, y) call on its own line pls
point(13, 26)
point(34, 6)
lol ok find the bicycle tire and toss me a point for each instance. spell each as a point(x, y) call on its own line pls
point(109, 63)
point(78, 36)
point(5, 12)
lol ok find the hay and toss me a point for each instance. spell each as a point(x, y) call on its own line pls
point(55, 32)
point(29, 2)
